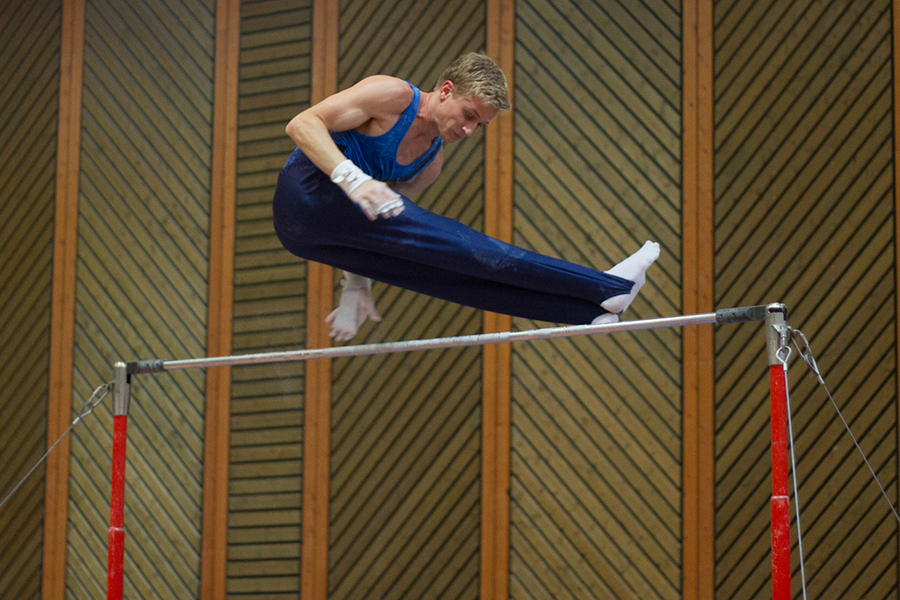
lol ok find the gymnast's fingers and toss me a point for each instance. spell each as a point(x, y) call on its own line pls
point(392, 208)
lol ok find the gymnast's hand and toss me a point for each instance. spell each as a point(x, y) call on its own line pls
point(376, 199)
point(356, 305)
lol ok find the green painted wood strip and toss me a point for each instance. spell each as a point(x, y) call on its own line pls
point(380, 37)
point(28, 36)
point(838, 226)
point(148, 108)
point(582, 455)
point(622, 134)
point(37, 158)
point(428, 371)
point(436, 560)
point(170, 223)
point(573, 155)
point(151, 303)
point(25, 293)
point(401, 534)
point(738, 51)
point(781, 61)
point(396, 452)
point(20, 118)
point(123, 137)
point(797, 111)
point(254, 526)
point(590, 411)
point(169, 56)
point(591, 539)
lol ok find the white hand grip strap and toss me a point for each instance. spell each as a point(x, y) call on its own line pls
point(348, 176)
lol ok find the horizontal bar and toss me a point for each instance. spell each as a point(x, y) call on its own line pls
point(731, 315)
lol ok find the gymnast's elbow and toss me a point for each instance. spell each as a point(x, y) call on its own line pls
point(303, 129)
point(296, 127)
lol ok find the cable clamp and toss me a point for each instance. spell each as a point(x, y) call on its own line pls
point(90, 404)
point(806, 354)
point(783, 353)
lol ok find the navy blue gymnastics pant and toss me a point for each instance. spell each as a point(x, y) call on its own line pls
point(430, 254)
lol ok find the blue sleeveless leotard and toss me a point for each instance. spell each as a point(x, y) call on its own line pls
point(377, 155)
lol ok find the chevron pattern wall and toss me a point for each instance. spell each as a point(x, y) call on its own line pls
point(596, 423)
point(804, 215)
point(29, 68)
point(141, 291)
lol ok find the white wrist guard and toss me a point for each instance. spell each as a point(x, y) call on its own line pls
point(348, 176)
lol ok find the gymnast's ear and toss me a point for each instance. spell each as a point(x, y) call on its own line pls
point(446, 89)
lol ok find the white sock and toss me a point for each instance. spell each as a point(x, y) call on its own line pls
point(632, 268)
point(606, 319)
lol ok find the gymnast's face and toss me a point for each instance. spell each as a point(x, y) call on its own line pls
point(458, 117)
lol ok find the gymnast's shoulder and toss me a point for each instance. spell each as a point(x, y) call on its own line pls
point(381, 93)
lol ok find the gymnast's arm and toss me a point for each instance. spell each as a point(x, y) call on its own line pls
point(356, 303)
point(371, 105)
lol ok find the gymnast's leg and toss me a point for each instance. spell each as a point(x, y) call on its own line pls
point(313, 218)
point(453, 286)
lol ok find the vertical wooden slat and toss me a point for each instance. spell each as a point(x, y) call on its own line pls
point(317, 428)
point(498, 209)
point(689, 274)
point(221, 299)
point(62, 331)
point(697, 273)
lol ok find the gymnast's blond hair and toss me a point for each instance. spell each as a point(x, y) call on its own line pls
point(475, 74)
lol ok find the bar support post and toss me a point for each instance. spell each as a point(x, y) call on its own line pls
point(121, 397)
point(123, 372)
point(777, 337)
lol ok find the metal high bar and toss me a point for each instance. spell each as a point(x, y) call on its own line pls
point(723, 316)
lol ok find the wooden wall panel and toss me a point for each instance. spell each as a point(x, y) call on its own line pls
point(803, 215)
point(596, 423)
point(496, 360)
point(405, 490)
point(141, 286)
point(266, 473)
point(804, 191)
point(29, 100)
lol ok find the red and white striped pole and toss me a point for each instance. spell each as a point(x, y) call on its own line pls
point(116, 559)
point(776, 337)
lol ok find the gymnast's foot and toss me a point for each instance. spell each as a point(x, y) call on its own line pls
point(633, 268)
point(606, 319)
